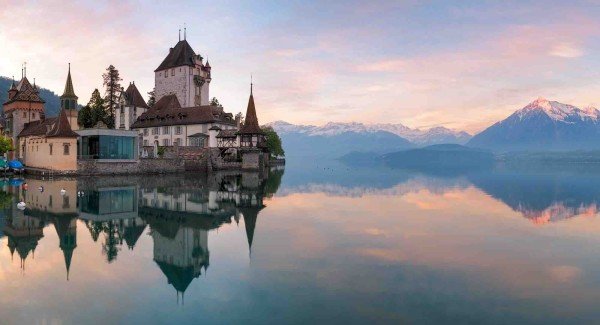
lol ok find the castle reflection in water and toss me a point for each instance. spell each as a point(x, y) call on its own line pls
point(176, 211)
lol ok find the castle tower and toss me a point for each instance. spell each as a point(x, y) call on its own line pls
point(68, 102)
point(24, 105)
point(184, 74)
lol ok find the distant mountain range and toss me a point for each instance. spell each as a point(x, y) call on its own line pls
point(543, 126)
point(334, 140)
point(418, 137)
point(52, 100)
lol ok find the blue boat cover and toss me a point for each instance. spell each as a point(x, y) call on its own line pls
point(15, 164)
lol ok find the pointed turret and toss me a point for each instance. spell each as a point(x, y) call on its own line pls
point(68, 102)
point(250, 217)
point(66, 229)
point(68, 98)
point(251, 122)
point(13, 90)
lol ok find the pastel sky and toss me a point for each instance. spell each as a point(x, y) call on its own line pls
point(460, 64)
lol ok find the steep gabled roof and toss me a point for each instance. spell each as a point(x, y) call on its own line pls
point(134, 98)
point(182, 54)
point(133, 233)
point(167, 102)
point(37, 128)
point(251, 122)
point(168, 111)
point(26, 92)
point(179, 277)
point(62, 127)
point(57, 127)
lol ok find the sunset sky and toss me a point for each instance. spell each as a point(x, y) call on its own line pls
point(460, 64)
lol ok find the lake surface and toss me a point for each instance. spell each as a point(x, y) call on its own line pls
point(314, 243)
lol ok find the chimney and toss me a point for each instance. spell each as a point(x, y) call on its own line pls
point(170, 50)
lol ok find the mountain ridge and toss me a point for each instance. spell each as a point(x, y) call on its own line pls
point(419, 137)
point(543, 125)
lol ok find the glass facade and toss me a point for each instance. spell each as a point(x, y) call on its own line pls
point(108, 147)
point(109, 202)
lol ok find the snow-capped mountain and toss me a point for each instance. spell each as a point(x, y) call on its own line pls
point(418, 137)
point(543, 125)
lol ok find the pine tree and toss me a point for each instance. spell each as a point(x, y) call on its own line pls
point(93, 112)
point(215, 102)
point(151, 99)
point(112, 93)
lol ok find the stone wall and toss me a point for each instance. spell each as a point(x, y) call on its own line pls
point(216, 162)
point(251, 160)
point(142, 166)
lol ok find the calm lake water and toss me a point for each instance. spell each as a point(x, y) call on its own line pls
point(312, 243)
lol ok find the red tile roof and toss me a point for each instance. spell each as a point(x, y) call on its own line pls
point(251, 122)
point(182, 54)
point(54, 127)
point(26, 92)
point(133, 97)
point(168, 111)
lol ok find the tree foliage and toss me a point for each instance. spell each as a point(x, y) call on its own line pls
point(152, 98)
point(215, 102)
point(112, 92)
point(93, 112)
point(6, 144)
point(273, 142)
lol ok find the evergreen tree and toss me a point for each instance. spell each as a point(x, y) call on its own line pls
point(93, 112)
point(151, 99)
point(112, 93)
point(215, 102)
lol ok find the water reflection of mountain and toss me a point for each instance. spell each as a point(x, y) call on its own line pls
point(539, 195)
point(336, 179)
point(543, 198)
point(179, 212)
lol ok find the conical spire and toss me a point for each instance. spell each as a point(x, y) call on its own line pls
point(69, 91)
point(250, 217)
point(68, 253)
point(251, 122)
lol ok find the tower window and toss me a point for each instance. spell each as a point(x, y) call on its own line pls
point(66, 149)
point(172, 72)
point(50, 149)
point(24, 114)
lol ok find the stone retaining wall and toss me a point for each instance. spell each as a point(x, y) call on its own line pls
point(142, 166)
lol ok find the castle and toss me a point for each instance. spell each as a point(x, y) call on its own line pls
point(182, 122)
